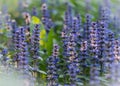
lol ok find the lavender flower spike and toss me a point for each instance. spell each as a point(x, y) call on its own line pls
point(52, 68)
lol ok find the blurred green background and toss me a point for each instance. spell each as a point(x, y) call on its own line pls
point(55, 5)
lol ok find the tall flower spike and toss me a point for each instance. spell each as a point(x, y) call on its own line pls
point(75, 28)
point(64, 37)
point(73, 62)
point(67, 26)
point(115, 65)
point(101, 42)
point(79, 29)
point(35, 40)
point(21, 56)
point(16, 42)
point(52, 69)
point(23, 61)
point(117, 49)
point(87, 27)
point(76, 32)
point(95, 66)
point(35, 46)
point(109, 47)
point(104, 15)
point(79, 21)
point(83, 54)
point(83, 57)
point(14, 27)
point(68, 17)
point(48, 24)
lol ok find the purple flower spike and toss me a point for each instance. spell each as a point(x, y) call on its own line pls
point(52, 68)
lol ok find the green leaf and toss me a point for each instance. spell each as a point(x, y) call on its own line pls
point(43, 72)
point(49, 43)
point(83, 77)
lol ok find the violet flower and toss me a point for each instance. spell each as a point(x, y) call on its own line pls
point(52, 69)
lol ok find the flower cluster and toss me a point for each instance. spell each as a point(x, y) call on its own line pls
point(52, 61)
point(21, 48)
point(48, 24)
point(95, 66)
point(117, 49)
point(87, 26)
point(73, 62)
point(35, 46)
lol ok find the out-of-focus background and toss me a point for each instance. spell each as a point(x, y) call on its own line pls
point(58, 6)
point(14, 9)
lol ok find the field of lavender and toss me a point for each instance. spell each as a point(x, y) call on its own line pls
point(59, 43)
